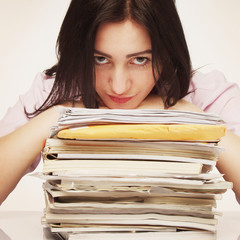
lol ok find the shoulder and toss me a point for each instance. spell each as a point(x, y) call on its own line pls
point(212, 93)
point(208, 81)
point(30, 101)
point(208, 88)
point(42, 84)
point(38, 92)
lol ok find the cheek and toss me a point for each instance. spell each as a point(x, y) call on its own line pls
point(145, 79)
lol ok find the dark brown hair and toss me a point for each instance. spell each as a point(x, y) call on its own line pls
point(74, 71)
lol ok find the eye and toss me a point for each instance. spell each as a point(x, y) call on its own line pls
point(140, 60)
point(100, 60)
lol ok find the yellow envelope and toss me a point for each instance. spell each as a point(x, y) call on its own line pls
point(175, 132)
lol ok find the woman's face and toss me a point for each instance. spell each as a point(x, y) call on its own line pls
point(123, 64)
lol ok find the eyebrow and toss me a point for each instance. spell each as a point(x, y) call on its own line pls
point(149, 51)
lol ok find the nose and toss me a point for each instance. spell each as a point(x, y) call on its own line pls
point(120, 82)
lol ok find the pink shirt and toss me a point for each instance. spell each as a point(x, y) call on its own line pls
point(210, 92)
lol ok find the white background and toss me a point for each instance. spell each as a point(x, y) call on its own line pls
point(29, 30)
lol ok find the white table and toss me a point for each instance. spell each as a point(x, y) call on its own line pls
point(27, 226)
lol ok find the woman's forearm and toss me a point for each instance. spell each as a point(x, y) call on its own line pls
point(20, 148)
point(229, 160)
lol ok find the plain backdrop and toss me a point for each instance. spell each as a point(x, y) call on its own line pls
point(29, 30)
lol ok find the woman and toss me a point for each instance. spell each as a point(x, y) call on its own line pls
point(115, 54)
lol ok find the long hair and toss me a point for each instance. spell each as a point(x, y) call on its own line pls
point(74, 72)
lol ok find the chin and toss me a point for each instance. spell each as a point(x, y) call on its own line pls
point(122, 106)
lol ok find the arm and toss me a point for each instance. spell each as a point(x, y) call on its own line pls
point(19, 149)
point(229, 160)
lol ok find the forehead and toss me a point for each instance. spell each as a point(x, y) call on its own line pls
point(122, 37)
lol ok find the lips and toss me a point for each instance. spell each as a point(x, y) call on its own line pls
point(120, 99)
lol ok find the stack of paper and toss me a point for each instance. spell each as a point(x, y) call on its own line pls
point(128, 174)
